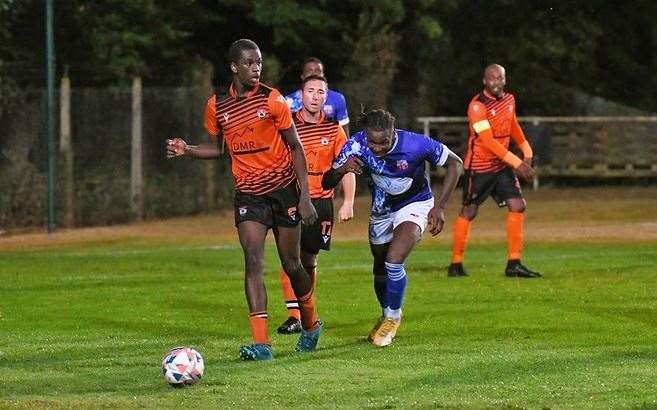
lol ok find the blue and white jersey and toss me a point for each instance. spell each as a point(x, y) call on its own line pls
point(398, 177)
point(335, 107)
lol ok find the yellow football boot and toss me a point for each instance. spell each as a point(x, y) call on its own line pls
point(386, 332)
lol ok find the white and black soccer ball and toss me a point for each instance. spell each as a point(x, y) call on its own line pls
point(182, 365)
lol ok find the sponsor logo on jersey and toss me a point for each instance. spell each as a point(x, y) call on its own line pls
point(402, 165)
point(261, 114)
point(328, 109)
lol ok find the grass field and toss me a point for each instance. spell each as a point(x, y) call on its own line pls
point(86, 316)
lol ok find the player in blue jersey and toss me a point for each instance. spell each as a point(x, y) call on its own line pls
point(335, 107)
point(402, 202)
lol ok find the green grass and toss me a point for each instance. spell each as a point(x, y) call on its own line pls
point(88, 327)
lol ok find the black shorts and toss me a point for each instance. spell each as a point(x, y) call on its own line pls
point(502, 185)
point(273, 209)
point(317, 236)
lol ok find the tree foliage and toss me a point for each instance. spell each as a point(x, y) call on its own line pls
point(420, 56)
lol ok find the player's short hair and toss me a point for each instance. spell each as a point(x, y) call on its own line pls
point(235, 50)
point(312, 60)
point(376, 120)
point(313, 77)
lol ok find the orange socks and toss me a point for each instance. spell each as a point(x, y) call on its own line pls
point(258, 322)
point(308, 312)
point(514, 222)
point(461, 235)
point(291, 301)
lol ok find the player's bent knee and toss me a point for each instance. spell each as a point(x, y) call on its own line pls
point(469, 212)
point(292, 266)
point(517, 205)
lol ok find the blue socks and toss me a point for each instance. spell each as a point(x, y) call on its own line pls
point(396, 286)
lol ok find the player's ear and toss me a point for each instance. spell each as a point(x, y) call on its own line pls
point(233, 68)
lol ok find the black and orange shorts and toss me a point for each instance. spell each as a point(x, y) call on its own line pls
point(273, 209)
point(317, 236)
point(501, 185)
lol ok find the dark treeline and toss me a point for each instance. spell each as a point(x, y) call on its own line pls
point(427, 55)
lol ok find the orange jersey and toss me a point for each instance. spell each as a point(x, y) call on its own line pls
point(261, 160)
point(492, 123)
point(322, 142)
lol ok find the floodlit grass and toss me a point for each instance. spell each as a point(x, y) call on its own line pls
point(87, 326)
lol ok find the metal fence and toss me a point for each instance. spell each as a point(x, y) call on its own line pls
point(112, 166)
point(95, 167)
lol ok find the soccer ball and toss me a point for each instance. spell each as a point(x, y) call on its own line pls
point(182, 365)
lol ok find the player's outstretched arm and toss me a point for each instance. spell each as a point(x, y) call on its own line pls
point(333, 176)
point(436, 217)
point(177, 147)
point(306, 209)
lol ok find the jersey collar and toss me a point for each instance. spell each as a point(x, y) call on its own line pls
point(233, 93)
point(394, 144)
point(322, 116)
point(492, 97)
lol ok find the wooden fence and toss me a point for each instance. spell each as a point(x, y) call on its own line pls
point(587, 147)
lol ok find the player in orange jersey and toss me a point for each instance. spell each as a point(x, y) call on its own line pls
point(271, 188)
point(322, 140)
point(491, 169)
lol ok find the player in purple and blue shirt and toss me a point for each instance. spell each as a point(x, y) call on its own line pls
point(335, 107)
point(402, 202)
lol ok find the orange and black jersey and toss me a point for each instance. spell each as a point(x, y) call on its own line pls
point(322, 142)
point(261, 159)
point(492, 123)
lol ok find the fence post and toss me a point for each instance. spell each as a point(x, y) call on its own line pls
point(66, 152)
point(136, 176)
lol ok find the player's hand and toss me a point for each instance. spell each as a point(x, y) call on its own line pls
point(526, 172)
point(176, 147)
point(436, 220)
point(307, 211)
point(346, 212)
point(354, 165)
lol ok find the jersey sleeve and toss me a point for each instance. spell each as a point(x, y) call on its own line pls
point(280, 111)
point(341, 112)
point(352, 148)
point(478, 120)
point(435, 151)
point(294, 101)
point(210, 117)
point(519, 137)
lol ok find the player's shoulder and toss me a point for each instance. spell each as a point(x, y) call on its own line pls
point(272, 94)
point(220, 94)
point(479, 101)
point(330, 121)
point(359, 138)
point(509, 97)
point(415, 139)
point(294, 95)
point(336, 94)
point(408, 134)
point(267, 90)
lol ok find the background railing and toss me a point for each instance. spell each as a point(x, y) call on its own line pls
point(588, 147)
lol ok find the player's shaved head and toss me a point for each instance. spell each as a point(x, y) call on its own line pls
point(495, 79)
point(494, 67)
